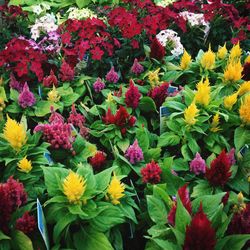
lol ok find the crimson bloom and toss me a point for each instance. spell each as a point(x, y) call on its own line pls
point(200, 233)
point(26, 224)
point(159, 94)
point(219, 171)
point(132, 96)
point(66, 72)
point(157, 50)
point(50, 80)
point(151, 173)
point(98, 160)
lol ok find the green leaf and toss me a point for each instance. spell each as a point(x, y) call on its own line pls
point(202, 188)
point(152, 154)
point(241, 137)
point(142, 136)
point(103, 178)
point(82, 3)
point(175, 105)
point(164, 244)
point(157, 210)
point(168, 139)
point(3, 236)
point(193, 146)
point(147, 104)
point(235, 241)
point(68, 100)
point(42, 108)
point(123, 144)
point(21, 241)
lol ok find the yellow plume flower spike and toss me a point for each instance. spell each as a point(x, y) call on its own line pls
point(110, 98)
point(247, 60)
point(222, 52)
point(24, 165)
point(233, 71)
point(208, 59)
point(240, 197)
point(14, 133)
point(230, 100)
point(235, 52)
point(115, 190)
point(185, 60)
point(244, 88)
point(74, 187)
point(245, 110)
point(215, 123)
point(202, 95)
point(153, 77)
point(53, 95)
point(190, 114)
point(2, 104)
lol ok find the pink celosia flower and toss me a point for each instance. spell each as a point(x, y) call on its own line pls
point(75, 118)
point(137, 68)
point(132, 96)
point(14, 84)
point(231, 157)
point(134, 153)
point(151, 173)
point(26, 224)
point(26, 97)
point(112, 76)
point(98, 85)
point(198, 165)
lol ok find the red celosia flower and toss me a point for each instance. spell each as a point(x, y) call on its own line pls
point(132, 121)
point(75, 118)
point(185, 199)
point(98, 160)
point(200, 234)
point(246, 72)
point(225, 198)
point(219, 171)
point(157, 50)
point(26, 224)
point(121, 117)
point(151, 173)
point(159, 94)
point(66, 72)
point(50, 80)
point(132, 96)
point(109, 118)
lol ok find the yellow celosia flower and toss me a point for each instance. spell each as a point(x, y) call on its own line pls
point(153, 77)
point(215, 123)
point(230, 100)
point(235, 52)
point(74, 187)
point(244, 88)
point(185, 60)
point(24, 165)
point(233, 71)
point(245, 110)
point(14, 133)
point(53, 95)
point(247, 60)
point(2, 104)
point(208, 59)
point(202, 95)
point(222, 52)
point(110, 98)
point(190, 113)
point(115, 190)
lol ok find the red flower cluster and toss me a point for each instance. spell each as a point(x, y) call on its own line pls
point(75, 118)
point(67, 73)
point(157, 51)
point(121, 119)
point(50, 80)
point(219, 171)
point(12, 196)
point(80, 36)
point(132, 96)
point(26, 224)
point(11, 12)
point(200, 234)
point(151, 173)
point(159, 94)
point(185, 199)
point(21, 58)
point(98, 160)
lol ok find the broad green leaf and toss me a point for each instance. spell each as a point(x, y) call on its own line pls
point(241, 137)
point(21, 241)
point(3, 236)
point(235, 241)
point(147, 104)
point(168, 139)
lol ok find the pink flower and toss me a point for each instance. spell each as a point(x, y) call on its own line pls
point(26, 97)
point(14, 84)
point(98, 85)
point(75, 118)
point(112, 76)
point(132, 96)
point(231, 157)
point(134, 153)
point(137, 68)
point(198, 165)
point(151, 173)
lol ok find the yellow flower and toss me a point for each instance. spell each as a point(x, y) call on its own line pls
point(202, 95)
point(153, 77)
point(215, 123)
point(74, 187)
point(2, 104)
point(208, 59)
point(190, 113)
point(233, 71)
point(110, 98)
point(244, 88)
point(235, 52)
point(245, 110)
point(53, 95)
point(91, 148)
point(185, 60)
point(222, 52)
point(240, 197)
point(115, 190)
point(14, 133)
point(247, 60)
point(230, 100)
point(24, 165)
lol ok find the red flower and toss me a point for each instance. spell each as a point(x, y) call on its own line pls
point(157, 50)
point(98, 160)
point(151, 173)
point(97, 53)
point(246, 72)
point(121, 117)
point(50, 80)
point(109, 118)
point(219, 171)
point(200, 234)
point(132, 96)
point(132, 121)
point(75, 118)
point(159, 94)
point(66, 72)
point(26, 224)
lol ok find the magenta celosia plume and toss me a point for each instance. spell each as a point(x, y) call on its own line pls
point(98, 85)
point(134, 153)
point(112, 76)
point(26, 97)
point(137, 68)
point(198, 165)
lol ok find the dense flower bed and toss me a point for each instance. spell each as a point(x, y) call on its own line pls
point(125, 125)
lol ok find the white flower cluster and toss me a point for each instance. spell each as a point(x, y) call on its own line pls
point(75, 13)
point(196, 20)
point(38, 9)
point(164, 3)
point(44, 24)
point(170, 38)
